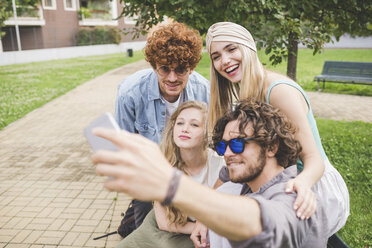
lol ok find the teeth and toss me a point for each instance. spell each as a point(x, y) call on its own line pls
point(230, 69)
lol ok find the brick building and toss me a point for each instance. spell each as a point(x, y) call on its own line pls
point(55, 23)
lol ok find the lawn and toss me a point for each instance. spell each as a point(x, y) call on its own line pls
point(25, 87)
point(349, 148)
point(309, 66)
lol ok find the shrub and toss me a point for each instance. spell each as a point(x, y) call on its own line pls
point(100, 35)
point(84, 37)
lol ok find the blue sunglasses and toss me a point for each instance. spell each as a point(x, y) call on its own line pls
point(236, 145)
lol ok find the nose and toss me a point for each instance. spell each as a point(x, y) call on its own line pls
point(185, 128)
point(228, 152)
point(225, 59)
point(172, 76)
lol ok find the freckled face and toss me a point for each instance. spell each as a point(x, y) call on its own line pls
point(226, 58)
point(189, 128)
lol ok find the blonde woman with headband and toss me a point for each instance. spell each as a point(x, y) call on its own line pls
point(237, 73)
point(185, 145)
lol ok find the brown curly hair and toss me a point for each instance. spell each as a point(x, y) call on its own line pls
point(270, 126)
point(174, 43)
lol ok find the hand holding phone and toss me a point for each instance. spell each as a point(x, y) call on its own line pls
point(106, 120)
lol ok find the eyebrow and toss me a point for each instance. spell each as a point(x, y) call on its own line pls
point(193, 119)
point(225, 47)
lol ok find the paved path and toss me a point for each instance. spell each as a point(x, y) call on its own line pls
point(341, 107)
point(50, 195)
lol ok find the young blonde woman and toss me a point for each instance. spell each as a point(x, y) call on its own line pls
point(237, 73)
point(185, 145)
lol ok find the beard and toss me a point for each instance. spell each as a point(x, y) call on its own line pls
point(251, 171)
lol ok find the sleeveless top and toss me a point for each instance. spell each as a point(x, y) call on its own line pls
point(310, 117)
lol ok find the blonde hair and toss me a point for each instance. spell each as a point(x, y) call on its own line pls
point(172, 152)
point(224, 92)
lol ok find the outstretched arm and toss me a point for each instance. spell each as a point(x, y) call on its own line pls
point(140, 170)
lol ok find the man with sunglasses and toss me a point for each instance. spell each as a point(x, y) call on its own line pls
point(146, 99)
point(260, 151)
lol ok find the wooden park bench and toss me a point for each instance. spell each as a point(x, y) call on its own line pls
point(346, 72)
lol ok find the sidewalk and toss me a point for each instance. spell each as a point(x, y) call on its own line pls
point(341, 107)
point(50, 195)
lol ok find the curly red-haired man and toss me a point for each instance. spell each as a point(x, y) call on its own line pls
point(148, 98)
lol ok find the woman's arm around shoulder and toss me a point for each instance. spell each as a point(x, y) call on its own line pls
point(292, 103)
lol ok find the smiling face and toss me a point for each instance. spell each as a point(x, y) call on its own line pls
point(189, 129)
point(227, 60)
point(171, 85)
point(248, 165)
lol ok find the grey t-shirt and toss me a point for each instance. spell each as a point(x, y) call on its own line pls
point(280, 226)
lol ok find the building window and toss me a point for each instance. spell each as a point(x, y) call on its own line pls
point(130, 19)
point(70, 4)
point(98, 13)
point(49, 4)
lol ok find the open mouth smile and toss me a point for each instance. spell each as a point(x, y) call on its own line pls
point(231, 69)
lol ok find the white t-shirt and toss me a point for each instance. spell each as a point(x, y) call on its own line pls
point(210, 173)
point(172, 106)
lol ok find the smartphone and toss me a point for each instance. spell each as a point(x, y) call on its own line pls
point(106, 120)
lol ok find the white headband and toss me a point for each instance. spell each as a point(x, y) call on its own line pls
point(228, 31)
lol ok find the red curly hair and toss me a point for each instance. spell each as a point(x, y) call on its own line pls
point(174, 43)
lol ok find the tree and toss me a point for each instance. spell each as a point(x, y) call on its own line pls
point(278, 26)
point(6, 9)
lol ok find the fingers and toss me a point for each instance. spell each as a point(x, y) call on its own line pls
point(203, 236)
point(289, 186)
point(308, 205)
point(195, 239)
point(199, 236)
point(310, 210)
point(203, 232)
point(116, 184)
point(109, 157)
point(299, 200)
point(112, 171)
point(122, 139)
point(305, 203)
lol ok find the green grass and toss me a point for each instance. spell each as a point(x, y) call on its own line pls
point(309, 66)
point(25, 87)
point(349, 148)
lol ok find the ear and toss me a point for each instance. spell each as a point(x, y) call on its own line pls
point(272, 150)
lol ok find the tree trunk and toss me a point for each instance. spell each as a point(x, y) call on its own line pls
point(292, 55)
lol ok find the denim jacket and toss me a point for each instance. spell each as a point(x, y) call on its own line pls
point(139, 107)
